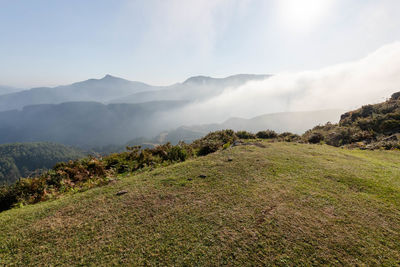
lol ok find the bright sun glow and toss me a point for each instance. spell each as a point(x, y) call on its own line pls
point(303, 15)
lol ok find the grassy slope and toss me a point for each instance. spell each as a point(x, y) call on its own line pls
point(283, 204)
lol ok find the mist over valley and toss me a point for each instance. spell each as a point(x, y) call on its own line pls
point(114, 111)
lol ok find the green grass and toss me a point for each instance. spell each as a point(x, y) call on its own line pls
point(285, 204)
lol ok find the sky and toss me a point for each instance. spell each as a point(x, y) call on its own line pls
point(54, 42)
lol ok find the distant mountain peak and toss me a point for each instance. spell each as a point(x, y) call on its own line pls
point(110, 77)
point(106, 78)
point(197, 79)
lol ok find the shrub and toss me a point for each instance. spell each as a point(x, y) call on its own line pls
point(387, 107)
point(338, 138)
point(365, 136)
point(389, 127)
point(177, 153)
point(208, 146)
point(366, 111)
point(79, 171)
point(315, 138)
point(289, 137)
point(62, 177)
point(168, 152)
point(188, 148)
point(30, 190)
point(391, 142)
point(365, 124)
point(245, 135)
point(120, 163)
point(214, 141)
point(268, 134)
point(7, 197)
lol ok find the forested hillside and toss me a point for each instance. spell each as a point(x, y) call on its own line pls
point(25, 159)
point(83, 124)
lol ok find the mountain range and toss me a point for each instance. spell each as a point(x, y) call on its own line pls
point(8, 90)
point(112, 111)
point(112, 89)
point(98, 90)
point(193, 89)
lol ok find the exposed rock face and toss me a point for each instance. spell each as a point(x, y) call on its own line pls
point(395, 96)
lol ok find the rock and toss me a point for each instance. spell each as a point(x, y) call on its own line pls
point(395, 96)
point(370, 147)
point(237, 143)
point(122, 192)
point(202, 176)
point(390, 138)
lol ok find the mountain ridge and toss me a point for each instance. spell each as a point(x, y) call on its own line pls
point(195, 88)
point(112, 89)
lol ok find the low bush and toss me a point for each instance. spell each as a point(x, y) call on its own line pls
point(245, 135)
point(289, 137)
point(7, 197)
point(168, 152)
point(214, 141)
point(268, 134)
point(315, 138)
point(63, 177)
point(390, 126)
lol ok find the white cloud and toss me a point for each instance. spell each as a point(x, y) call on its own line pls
point(344, 86)
point(187, 25)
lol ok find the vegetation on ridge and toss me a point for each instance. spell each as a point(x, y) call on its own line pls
point(371, 126)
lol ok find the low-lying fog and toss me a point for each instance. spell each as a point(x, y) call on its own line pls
point(343, 86)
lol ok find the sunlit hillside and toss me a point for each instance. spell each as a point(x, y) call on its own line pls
point(265, 204)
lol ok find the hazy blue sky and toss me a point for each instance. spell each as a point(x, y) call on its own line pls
point(51, 42)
